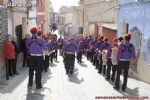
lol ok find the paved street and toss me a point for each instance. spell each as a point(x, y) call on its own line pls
point(84, 84)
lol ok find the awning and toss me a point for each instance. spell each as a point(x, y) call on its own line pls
point(110, 26)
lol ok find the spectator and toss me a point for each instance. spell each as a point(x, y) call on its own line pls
point(25, 50)
point(14, 39)
point(9, 52)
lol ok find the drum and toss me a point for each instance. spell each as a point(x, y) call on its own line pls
point(114, 56)
point(104, 55)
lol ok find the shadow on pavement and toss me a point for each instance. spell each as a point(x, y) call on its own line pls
point(39, 94)
point(75, 70)
point(133, 92)
point(83, 65)
point(74, 78)
point(14, 82)
point(52, 65)
point(56, 61)
point(34, 96)
point(128, 92)
point(46, 76)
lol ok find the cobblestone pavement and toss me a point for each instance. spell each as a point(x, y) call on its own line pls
point(84, 84)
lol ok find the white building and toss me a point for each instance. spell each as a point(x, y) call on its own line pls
point(53, 20)
point(49, 16)
point(70, 18)
point(97, 12)
point(32, 15)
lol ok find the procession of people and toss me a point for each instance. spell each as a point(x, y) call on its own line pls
point(39, 49)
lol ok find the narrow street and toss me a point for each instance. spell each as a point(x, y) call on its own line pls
point(110, 32)
point(84, 84)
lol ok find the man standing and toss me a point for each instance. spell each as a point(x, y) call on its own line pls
point(111, 64)
point(37, 47)
point(25, 50)
point(47, 53)
point(14, 39)
point(52, 43)
point(9, 53)
point(60, 45)
point(126, 51)
point(80, 51)
point(70, 50)
point(104, 47)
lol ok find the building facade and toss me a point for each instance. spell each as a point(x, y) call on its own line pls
point(54, 18)
point(48, 10)
point(32, 15)
point(40, 14)
point(96, 13)
point(70, 18)
point(133, 17)
point(19, 20)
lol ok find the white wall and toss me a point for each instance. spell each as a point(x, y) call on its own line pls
point(18, 19)
point(99, 11)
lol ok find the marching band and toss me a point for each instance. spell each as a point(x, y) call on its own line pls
point(108, 58)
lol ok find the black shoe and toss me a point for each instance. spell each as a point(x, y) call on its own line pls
point(67, 72)
point(7, 78)
point(123, 89)
point(116, 88)
point(39, 87)
point(71, 73)
point(100, 72)
point(112, 79)
point(17, 73)
point(10, 74)
point(45, 70)
point(107, 79)
point(29, 86)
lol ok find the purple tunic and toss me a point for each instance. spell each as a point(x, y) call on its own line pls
point(126, 51)
point(36, 47)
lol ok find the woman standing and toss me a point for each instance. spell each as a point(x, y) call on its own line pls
point(9, 52)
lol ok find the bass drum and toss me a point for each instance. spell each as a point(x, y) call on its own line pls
point(104, 55)
point(114, 56)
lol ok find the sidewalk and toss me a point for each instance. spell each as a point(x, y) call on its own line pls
point(84, 84)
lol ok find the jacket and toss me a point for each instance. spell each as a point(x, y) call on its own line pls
point(9, 50)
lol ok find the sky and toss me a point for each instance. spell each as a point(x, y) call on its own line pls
point(58, 3)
